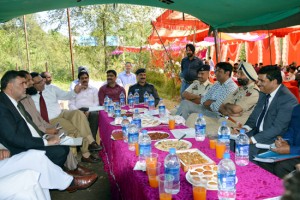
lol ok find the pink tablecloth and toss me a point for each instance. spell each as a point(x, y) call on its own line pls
point(253, 181)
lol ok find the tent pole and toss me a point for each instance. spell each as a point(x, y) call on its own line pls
point(26, 41)
point(170, 58)
point(270, 47)
point(70, 42)
point(217, 45)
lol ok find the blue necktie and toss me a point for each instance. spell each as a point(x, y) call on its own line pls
point(262, 114)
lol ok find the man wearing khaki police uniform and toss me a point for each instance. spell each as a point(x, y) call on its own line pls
point(198, 88)
point(239, 105)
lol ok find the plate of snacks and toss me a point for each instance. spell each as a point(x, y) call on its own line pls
point(165, 145)
point(158, 135)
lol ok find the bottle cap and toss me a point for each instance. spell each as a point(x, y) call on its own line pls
point(144, 131)
point(242, 131)
point(226, 155)
point(172, 150)
point(224, 123)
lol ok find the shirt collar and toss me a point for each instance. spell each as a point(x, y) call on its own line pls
point(274, 92)
point(12, 100)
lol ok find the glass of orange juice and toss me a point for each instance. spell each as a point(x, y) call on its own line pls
point(199, 187)
point(220, 149)
point(212, 143)
point(165, 183)
point(153, 172)
point(151, 160)
point(171, 122)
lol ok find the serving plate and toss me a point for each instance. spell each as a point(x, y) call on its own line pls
point(165, 145)
point(160, 135)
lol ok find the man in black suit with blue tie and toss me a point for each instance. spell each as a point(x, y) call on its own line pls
point(272, 114)
point(17, 132)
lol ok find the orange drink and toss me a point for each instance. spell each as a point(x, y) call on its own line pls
point(220, 149)
point(137, 150)
point(165, 196)
point(171, 123)
point(151, 160)
point(152, 172)
point(165, 185)
point(212, 143)
point(199, 193)
point(153, 182)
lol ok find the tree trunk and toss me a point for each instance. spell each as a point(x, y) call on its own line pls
point(104, 44)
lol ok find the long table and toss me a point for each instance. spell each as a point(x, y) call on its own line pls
point(126, 183)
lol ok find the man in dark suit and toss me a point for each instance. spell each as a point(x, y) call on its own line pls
point(272, 114)
point(289, 144)
point(16, 133)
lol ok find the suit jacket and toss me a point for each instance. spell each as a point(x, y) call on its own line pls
point(277, 118)
point(14, 132)
point(293, 133)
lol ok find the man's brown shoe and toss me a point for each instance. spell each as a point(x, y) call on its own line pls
point(90, 159)
point(94, 147)
point(82, 182)
point(80, 171)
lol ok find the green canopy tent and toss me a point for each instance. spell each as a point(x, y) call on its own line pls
point(222, 15)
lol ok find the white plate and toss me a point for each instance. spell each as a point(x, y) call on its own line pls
point(189, 144)
point(113, 124)
point(141, 110)
point(159, 132)
point(188, 178)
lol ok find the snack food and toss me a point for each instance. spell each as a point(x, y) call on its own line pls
point(158, 135)
point(165, 145)
point(192, 158)
point(207, 173)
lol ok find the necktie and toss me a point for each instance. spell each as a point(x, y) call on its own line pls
point(43, 108)
point(262, 114)
point(28, 118)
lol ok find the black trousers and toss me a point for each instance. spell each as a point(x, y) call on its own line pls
point(57, 154)
point(93, 121)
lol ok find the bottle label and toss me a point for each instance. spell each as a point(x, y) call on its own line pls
point(175, 171)
point(224, 137)
point(133, 137)
point(137, 100)
point(200, 130)
point(118, 113)
point(122, 101)
point(138, 122)
point(145, 149)
point(145, 99)
point(226, 181)
point(151, 103)
point(125, 130)
point(110, 108)
point(162, 109)
point(130, 101)
point(242, 149)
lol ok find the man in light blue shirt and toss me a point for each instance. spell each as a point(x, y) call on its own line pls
point(127, 77)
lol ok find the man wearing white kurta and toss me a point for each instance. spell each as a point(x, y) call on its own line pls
point(30, 175)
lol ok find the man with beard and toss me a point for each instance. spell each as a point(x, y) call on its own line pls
point(87, 97)
point(143, 86)
point(238, 106)
point(47, 77)
point(189, 67)
point(111, 89)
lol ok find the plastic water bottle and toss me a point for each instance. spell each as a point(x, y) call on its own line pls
point(111, 108)
point(106, 101)
point(226, 178)
point(117, 109)
point(130, 100)
point(137, 119)
point(161, 109)
point(144, 146)
point(146, 97)
point(200, 128)
point(151, 103)
point(125, 123)
point(133, 136)
point(136, 97)
point(172, 166)
point(242, 149)
point(122, 99)
point(224, 135)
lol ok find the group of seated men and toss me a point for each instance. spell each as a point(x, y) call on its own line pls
point(30, 110)
point(261, 105)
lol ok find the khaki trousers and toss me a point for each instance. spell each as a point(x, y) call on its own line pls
point(76, 125)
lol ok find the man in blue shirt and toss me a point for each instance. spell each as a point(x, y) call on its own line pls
point(189, 68)
point(127, 77)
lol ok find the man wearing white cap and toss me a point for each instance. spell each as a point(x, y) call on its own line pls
point(238, 106)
